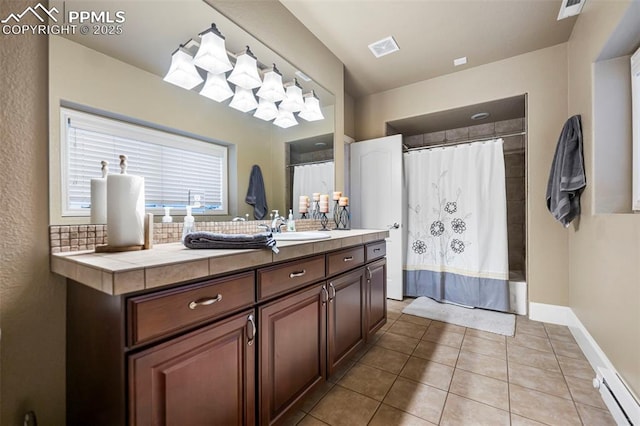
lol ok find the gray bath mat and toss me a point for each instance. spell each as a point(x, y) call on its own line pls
point(480, 319)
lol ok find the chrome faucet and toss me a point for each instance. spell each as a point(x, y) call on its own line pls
point(277, 222)
point(238, 219)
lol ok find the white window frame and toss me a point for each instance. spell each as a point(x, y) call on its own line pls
point(125, 129)
point(635, 122)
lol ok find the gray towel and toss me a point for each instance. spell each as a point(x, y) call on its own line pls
point(567, 177)
point(256, 195)
point(211, 240)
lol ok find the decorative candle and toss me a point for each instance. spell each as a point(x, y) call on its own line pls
point(303, 204)
point(337, 195)
point(343, 201)
point(316, 196)
point(324, 203)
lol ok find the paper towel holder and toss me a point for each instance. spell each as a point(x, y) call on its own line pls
point(148, 239)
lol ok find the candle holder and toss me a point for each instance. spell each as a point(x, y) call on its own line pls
point(304, 215)
point(344, 218)
point(315, 212)
point(336, 213)
point(323, 221)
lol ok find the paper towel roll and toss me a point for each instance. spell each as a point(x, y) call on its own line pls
point(98, 200)
point(125, 210)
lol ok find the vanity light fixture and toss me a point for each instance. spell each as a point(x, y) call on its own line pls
point(212, 54)
point(292, 101)
point(311, 110)
point(216, 87)
point(243, 100)
point(285, 119)
point(266, 111)
point(245, 73)
point(272, 89)
point(182, 71)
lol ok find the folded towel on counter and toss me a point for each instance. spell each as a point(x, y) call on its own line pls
point(211, 240)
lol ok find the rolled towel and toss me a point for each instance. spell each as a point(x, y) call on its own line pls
point(211, 240)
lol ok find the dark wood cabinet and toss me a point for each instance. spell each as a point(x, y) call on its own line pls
point(346, 317)
point(236, 349)
point(204, 377)
point(376, 304)
point(292, 349)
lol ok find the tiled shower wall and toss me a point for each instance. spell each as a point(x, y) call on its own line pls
point(514, 157)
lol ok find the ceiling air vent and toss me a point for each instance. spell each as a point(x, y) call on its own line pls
point(570, 8)
point(384, 47)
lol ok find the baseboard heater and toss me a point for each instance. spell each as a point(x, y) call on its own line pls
point(623, 406)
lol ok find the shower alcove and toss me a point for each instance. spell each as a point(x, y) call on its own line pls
point(506, 119)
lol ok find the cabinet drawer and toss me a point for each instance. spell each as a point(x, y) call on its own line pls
point(344, 260)
point(291, 275)
point(151, 316)
point(375, 250)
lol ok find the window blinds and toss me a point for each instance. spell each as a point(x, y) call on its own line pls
point(177, 170)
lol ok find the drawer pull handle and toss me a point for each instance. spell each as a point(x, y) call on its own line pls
point(325, 295)
point(331, 287)
point(347, 259)
point(369, 275)
point(204, 302)
point(375, 250)
point(297, 274)
point(254, 331)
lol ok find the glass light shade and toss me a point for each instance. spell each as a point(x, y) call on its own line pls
point(285, 119)
point(293, 101)
point(212, 54)
point(271, 89)
point(311, 110)
point(266, 111)
point(216, 88)
point(243, 100)
point(182, 72)
point(245, 74)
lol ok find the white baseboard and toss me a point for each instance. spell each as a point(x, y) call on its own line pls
point(564, 315)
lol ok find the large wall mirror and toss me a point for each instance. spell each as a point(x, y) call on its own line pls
point(121, 76)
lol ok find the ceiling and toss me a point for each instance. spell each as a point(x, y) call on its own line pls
point(430, 34)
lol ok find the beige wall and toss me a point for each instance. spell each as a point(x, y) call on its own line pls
point(542, 75)
point(32, 300)
point(604, 252)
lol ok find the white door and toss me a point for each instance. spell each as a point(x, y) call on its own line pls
point(377, 199)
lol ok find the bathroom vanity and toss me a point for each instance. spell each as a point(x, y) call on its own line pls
point(178, 336)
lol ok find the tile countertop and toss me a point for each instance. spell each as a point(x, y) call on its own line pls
point(165, 264)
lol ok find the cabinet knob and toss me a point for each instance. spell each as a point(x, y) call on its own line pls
point(204, 302)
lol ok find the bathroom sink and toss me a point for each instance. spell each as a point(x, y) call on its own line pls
point(301, 236)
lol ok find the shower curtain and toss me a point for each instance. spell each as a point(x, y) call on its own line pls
point(310, 178)
point(457, 225)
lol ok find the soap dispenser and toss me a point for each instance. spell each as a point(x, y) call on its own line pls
point(167, 217)
point(189, 224)
point(291, 224)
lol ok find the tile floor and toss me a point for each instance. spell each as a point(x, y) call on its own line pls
point(423, 372)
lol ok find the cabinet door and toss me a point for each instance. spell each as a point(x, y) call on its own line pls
point(346, 330)
point(376, 274)
point(292, 350)
point(204, 377)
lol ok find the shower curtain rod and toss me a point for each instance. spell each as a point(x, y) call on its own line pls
point(311, 162)
point(452, 143)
